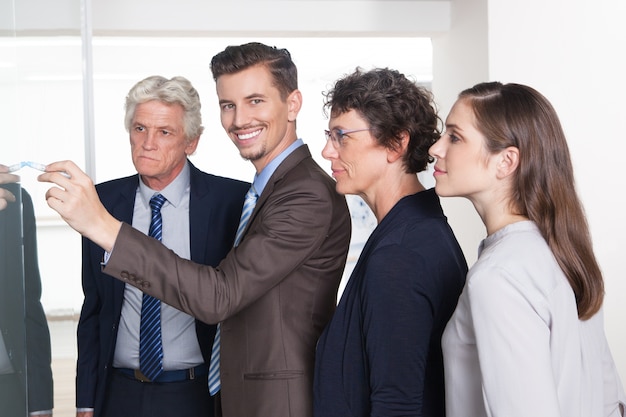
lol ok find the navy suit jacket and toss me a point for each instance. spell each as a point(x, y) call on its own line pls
point(214, 209)
point(380, 355)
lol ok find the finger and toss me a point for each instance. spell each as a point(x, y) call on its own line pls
point(56, 177)
point(68, 170)
point(54, 203)
point(56, 194)
point(55, 200)
point(5, 200)
point(6, 195)
point(6, 178)
point(61, 166)
point(69, 167)
point(52, 179)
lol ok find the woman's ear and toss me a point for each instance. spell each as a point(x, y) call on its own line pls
point(509, 161)
point(399, 148)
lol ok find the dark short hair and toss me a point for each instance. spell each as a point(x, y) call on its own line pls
point(391, 104)
point(236, 58)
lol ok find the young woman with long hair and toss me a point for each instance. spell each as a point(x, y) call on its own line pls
point(527, 336)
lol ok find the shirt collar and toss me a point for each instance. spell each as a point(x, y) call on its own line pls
point(261, 179)
point(173, 192)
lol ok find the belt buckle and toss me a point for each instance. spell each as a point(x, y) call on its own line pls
point(141, 377)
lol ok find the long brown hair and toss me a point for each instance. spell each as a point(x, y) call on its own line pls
point(544, 191)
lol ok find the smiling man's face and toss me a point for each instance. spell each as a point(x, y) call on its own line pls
point(258, 121)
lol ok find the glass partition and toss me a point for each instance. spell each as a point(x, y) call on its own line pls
point(42, 117)
point(13, 382)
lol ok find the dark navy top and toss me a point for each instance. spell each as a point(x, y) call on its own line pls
point(380, 355)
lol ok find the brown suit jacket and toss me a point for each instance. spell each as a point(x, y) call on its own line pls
point(274, 293)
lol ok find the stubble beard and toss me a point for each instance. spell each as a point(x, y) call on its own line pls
point(253, 155)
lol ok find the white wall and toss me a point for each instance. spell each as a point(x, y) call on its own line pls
point(573, 52)
point(460, 59)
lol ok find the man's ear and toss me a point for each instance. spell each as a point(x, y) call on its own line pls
point(508, 163)
point(192, 145)
point(399, 148)
point(294, 101)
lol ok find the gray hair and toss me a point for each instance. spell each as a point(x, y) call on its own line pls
point(177, 90)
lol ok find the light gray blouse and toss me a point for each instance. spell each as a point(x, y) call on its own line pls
point(515, 346)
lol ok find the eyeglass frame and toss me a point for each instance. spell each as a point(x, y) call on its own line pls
point(338, 142)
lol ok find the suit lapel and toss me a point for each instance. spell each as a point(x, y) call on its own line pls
point(292, 161)
point(199, 215)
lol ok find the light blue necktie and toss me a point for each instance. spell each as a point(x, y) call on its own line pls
point(214, 369)
point(150, 345)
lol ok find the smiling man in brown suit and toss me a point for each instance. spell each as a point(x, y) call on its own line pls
point(276, 290)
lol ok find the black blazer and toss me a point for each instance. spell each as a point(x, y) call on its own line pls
point(214, 209)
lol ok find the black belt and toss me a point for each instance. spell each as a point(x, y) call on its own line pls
point(167, 376)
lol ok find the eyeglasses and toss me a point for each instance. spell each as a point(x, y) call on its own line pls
point(336, 136)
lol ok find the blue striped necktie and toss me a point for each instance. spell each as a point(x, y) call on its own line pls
point(150, 345)
point(214, 369)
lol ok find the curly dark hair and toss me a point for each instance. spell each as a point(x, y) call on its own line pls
point(391, 104)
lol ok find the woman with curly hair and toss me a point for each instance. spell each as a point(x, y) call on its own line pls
point(380, 355)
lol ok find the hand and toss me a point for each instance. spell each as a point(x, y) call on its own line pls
point(84, 414)
point(6, 196)
point(76, 200)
